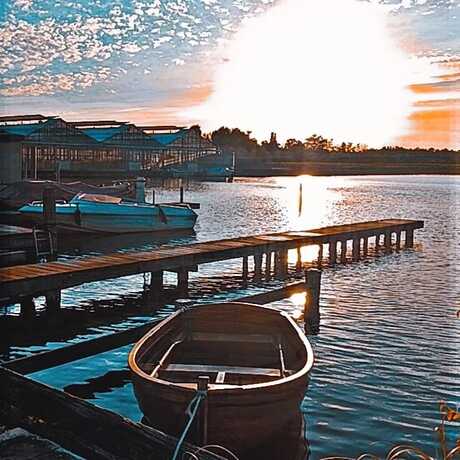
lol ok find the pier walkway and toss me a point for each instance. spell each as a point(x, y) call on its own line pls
point(24, 282)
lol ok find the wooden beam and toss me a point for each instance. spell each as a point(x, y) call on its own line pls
point(79, 426)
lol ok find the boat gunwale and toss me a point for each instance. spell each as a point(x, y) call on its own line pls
point(222, 388)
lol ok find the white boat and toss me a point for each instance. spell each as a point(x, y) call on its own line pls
point(108, 214)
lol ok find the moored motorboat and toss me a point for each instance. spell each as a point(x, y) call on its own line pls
point(256, 358)
point(108, 214)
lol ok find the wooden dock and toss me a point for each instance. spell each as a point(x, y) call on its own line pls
point(24, 282)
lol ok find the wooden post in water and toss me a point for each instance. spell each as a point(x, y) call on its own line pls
point(268, 265)
point(203, 384)
point(298, 265)
point(387, 241)
point(398, 239)
point(49, 219)
point(332, 252)
point(258, 266)
point(27, 311)
point(181, 194)
point(245, 271)
point(409, 238)
point(156, 284)
point(356, 248)
point(53, 298)
point(365, 245)
point(182, 281)
point(343, 251)
point(377, 242)
point(320, 254)
point(282, 263)
point(311, 309)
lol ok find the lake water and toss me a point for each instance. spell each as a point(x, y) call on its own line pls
point(388, 348)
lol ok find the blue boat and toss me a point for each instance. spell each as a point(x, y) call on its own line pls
point(107, 214)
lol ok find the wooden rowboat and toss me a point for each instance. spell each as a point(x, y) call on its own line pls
point(258, 363)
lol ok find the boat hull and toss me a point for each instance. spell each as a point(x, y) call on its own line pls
point(111, 218)
point(242, 418)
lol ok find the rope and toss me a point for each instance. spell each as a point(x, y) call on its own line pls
point(191, 412)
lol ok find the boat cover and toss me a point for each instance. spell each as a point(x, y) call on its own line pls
point(17, 194)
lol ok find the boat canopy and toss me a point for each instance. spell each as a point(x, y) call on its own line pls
point(96, 198)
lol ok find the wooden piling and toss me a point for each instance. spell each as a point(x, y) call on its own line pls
point(320, 255)
point(365, 246)
point(356, 248)
point(53, 302)
point(27, 311)
point(181, 194)
point(268, 263)
point(387, 241)
point(332, 252)
point(311, 309)
point(49, 220)
point(282, 263)
point(298, 265)
point(258, 266)
point(156, 284)
point(409, 238)
point(245, 270)
point(182, 281)
point(343, 251)
point(398, 240)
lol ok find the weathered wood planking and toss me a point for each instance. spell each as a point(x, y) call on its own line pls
point(79, 426)
point(21, 281)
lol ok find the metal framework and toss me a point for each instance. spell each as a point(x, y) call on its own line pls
point(51, 143)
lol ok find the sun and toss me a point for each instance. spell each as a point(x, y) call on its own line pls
point(330, 67)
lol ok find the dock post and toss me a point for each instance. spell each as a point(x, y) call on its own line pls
point(203, 384)
point(182, 281)
point(27, 308)
point(281, 263)
point(53, 302)
point(311, 309)
point(365, 245)
point(398, 239)
point(181, 194)
point(409, 238)
point(356, 248)
point(156, 284)
point(343, 251)
point(258, 266)
point(140, 189)
point(377, 242)
point(298, 265)
point(387, 241)
point(320, 254)
point(332, 252)
point(245, 270)
point(268, 265)
point(49, 219)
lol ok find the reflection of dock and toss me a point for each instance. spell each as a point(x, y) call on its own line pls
point(26, 282)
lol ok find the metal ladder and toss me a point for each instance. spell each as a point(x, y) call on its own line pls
point(41, 237)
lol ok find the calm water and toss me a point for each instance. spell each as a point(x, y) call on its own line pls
point(388, 350)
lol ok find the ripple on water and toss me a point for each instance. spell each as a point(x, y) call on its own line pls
point(388, 350)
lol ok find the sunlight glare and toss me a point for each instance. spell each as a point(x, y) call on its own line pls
point(330, 67)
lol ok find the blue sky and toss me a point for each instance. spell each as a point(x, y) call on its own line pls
point(150, 60)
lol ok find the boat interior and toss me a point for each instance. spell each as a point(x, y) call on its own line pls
point(230, 351)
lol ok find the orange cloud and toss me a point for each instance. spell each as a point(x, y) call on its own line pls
point(434, 128)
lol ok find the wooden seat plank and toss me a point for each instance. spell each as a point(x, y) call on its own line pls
point(227, 369)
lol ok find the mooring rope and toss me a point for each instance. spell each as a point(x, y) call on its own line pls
point(191, 411)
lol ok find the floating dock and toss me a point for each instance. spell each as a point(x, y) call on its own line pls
point(23, 283)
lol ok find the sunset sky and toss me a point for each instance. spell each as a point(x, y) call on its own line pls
point(377, 72)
